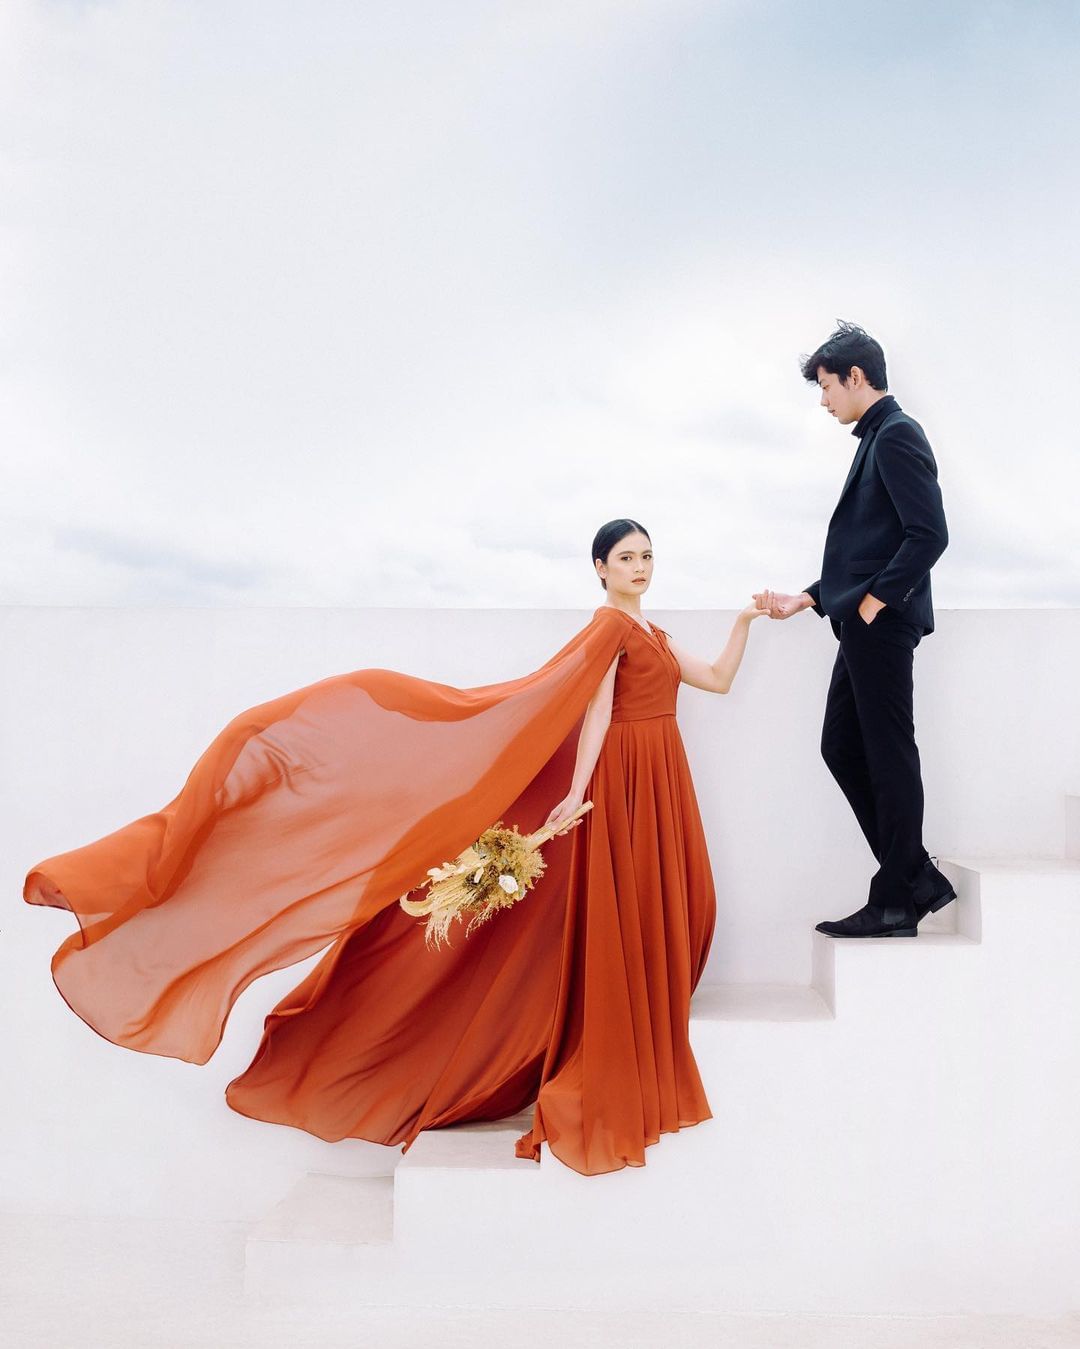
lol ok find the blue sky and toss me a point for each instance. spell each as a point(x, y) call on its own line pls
point(396, 303)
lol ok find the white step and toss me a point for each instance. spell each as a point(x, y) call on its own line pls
point(355, 1210)
point(318, 1231)
point(1021, 895)
point(918, 1102)
point(1072, 825)
point(758, 1002)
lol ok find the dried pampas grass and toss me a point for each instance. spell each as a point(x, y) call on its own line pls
point(493, 874)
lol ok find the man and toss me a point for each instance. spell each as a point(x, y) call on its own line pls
point(887, 531)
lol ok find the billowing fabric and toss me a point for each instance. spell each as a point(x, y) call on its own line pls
point(301, 825)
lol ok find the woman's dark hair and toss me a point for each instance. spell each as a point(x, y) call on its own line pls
point(607, 536)
point(849, 345)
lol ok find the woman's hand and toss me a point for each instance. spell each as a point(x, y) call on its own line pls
point(564, 809)
point(760, 607)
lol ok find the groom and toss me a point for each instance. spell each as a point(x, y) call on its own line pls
point(887, 531)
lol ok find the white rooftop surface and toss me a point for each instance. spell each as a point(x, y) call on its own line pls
point(137, 1210)
point(68, 1283)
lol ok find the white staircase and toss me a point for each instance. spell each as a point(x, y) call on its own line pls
point(902, 1136)
point(1072, 825)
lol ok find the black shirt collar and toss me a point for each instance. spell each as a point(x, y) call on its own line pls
point(875, 413)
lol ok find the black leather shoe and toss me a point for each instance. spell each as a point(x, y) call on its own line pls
point(873, 922)
point(933, 890)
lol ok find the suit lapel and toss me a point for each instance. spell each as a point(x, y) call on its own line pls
point(862, 452)
point(857, 462)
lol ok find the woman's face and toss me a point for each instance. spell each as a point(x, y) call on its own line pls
point(628, 569)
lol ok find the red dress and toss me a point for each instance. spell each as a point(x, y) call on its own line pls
point(640, 911)
point(308, 816)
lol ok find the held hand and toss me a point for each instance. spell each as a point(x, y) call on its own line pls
point(780, 606)
point(757, 610)
point(869, 608)
point(566, 807)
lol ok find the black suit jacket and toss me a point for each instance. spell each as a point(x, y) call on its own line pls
point(888, 528)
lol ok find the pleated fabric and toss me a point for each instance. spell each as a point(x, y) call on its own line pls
point(304, 821)
point(639, 918)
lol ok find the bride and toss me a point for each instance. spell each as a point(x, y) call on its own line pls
point(640, 904)
point(308, 816)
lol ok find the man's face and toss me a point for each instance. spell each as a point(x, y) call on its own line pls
point(841, 400)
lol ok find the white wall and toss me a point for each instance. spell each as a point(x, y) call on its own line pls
point(105, 710)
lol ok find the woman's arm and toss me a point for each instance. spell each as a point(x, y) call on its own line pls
point(590, 742)
point(720, 675)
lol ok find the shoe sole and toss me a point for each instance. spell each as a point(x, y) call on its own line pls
point(855, 936)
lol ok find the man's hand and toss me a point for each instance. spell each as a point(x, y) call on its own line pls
point(782, 606)
point(869, 608)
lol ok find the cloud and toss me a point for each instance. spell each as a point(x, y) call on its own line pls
point(155, 563)
point(396, 303)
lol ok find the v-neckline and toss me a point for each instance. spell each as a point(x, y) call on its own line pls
point(646, 627)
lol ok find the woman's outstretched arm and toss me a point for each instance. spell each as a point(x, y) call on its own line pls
point(590, 742)
point(720, 675)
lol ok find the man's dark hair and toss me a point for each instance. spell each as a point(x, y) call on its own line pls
point(849, 345)
point(607, 536)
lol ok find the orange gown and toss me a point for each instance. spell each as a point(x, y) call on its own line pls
point(304, 821)
point(640, 912)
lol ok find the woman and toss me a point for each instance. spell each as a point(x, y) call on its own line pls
point(640, 908)
point(306, 819)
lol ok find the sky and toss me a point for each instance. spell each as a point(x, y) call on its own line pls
point(395, 303)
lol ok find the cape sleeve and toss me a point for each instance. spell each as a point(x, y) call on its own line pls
point(303, 819)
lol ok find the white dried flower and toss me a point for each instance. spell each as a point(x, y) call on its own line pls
point(509, 884)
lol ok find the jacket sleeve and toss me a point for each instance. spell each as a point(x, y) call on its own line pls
point(908, 471)
point(814, 591)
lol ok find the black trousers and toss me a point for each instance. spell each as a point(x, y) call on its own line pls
point(868, 743)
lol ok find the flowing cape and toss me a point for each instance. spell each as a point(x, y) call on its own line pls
point(299, 828)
